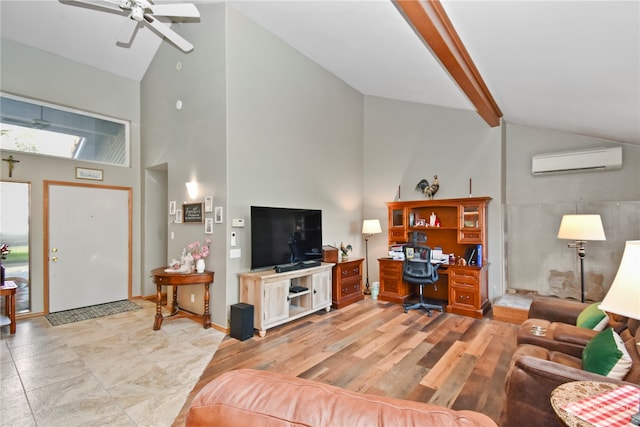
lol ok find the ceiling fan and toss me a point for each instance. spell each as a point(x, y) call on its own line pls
point(145, 11)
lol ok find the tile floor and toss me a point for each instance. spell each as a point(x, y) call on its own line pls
point(109, 371)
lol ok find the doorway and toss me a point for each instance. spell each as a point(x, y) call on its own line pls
point(14, 232)
point(88, 243)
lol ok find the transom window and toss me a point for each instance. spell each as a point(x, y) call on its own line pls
point(44, 129)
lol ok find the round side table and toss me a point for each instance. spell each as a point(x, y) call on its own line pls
point(573, 392)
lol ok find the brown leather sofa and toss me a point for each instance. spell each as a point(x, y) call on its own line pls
point(535, 371)
point(251, 398)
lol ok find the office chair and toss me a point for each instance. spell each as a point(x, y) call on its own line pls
point(417, 269)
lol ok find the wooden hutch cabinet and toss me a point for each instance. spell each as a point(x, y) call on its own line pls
point(459, 228)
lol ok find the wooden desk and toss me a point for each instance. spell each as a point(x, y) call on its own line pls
point(463, 287)
point(8, 291)
point(162, 278)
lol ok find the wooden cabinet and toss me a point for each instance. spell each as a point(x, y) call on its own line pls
point(274, 301)
point(347, 283)
point(457, 226)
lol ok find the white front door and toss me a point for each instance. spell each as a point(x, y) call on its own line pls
point(88, 243)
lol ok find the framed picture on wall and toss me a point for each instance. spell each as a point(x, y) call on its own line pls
point(218, 215)
point(208, 226)
point(208, 204)
point(192, 212)
point(178, 216)
point(172, 207)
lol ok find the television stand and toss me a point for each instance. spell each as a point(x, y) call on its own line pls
point(274, 301)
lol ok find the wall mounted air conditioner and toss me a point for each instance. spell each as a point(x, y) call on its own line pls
point(576, 161)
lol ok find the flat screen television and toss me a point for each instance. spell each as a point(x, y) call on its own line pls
point(284, 235)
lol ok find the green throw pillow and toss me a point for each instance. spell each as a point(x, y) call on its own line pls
point(606, 355)
point(593, 318)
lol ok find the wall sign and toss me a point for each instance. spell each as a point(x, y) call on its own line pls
point(192, 212)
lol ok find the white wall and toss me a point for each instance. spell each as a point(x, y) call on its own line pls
point(406, 142)
point(191, 142)
point(38, 75)
point(295, 138)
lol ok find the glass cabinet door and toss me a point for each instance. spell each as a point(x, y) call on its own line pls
point(471, 223)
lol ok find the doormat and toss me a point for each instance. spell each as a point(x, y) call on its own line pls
point(91, 312)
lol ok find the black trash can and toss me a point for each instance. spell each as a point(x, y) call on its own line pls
point(241, 321)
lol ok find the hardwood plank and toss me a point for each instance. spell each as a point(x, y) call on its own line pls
point(374, 347)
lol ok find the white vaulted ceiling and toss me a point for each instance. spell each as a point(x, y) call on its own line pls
point(572, 66)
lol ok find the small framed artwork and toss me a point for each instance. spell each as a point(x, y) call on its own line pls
point(421, 222)
point(92, 174)
point(218, 215)
point(208, 204)
point(208, 226)
point(178, 216)
point(193, 212)
point(172, 207)
point(409, 252)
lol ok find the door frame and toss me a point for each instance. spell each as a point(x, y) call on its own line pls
point(45, 256)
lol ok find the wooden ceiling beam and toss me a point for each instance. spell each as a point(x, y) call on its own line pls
point(430, 21)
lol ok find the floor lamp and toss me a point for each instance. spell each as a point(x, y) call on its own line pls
point(581, 228)
point(369, 228)
point(623, 297)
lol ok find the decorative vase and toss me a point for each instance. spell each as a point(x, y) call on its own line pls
point(200, 265)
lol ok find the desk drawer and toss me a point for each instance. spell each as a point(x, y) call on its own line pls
point(463, 296)
point(464, 275)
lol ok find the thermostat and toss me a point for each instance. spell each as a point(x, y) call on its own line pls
point(237, 222)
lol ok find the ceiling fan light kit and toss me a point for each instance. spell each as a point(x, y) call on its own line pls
point(145, 11)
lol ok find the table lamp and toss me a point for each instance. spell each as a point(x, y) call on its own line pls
point(581, 228)
point(623, 297)
point(369, 228)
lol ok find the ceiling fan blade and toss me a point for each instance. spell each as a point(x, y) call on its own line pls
point(173, 37)
point(108, 5)
point(184, 10)
point(126, 32)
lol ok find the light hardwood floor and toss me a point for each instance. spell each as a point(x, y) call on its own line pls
point(374, 347)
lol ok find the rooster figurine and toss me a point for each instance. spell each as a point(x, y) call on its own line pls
point(426, 189)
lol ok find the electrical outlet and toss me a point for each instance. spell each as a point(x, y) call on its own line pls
point(193, 297)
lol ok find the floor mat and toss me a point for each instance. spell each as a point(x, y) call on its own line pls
point(91, 312)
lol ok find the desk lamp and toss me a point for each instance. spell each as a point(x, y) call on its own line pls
point(369, 228)
point(581, 228)
point(623, 297)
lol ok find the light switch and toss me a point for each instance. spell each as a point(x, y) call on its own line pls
point(235, 253)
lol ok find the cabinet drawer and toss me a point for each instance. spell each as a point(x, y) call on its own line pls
point(463, 296)
point(391, 268)
point(349, 271)
point(397, 234)
point(470, 236)
point(351, 286)
point(464, 275)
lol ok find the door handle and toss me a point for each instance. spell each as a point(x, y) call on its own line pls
point(54, 259)
point(54, 250)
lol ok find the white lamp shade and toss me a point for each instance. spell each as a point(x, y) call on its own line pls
point(623, 297)
point(581, 227)
point(371, 226)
